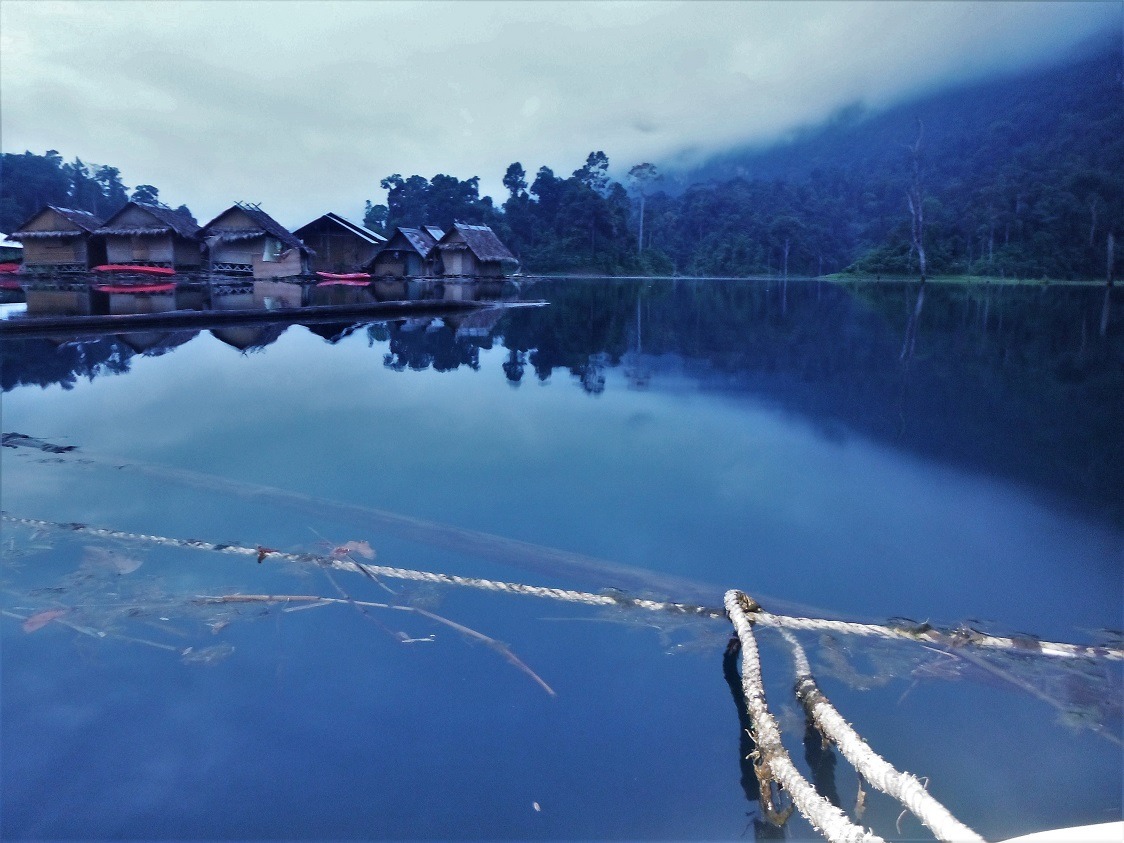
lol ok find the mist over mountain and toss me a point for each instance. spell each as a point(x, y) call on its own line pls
point(956, 119)
point(1021, 176)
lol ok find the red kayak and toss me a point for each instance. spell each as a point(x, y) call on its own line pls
point(143, 270)
point(9, 267)
point(8, 284)
point(135, 288)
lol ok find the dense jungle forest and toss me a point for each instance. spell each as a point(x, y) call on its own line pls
point(1020, 178)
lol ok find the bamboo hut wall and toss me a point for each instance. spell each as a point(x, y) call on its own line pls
point(186, 253)
point(140, 248)
point(338, 251)
point(55, 251)
point(389, 264)
point(458, 262)
point(286, 265)
point(240, 251)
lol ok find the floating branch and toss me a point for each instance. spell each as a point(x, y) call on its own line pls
point(307, 601)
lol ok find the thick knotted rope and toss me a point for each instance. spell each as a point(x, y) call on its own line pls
point(830, 821)
point(904, 787)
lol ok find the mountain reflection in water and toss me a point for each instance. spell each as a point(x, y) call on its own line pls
point(1013, 379)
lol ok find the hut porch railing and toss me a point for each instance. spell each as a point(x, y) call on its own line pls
point(232, 268)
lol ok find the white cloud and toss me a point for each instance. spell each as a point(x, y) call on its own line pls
point(304, 106)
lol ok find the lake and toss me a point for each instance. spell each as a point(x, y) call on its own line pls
point(671, 439)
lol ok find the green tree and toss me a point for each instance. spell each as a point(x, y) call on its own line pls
point(146, 194)
point(515, 180)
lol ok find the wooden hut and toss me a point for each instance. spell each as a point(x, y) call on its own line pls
point(473, 251)
point(340, 244)
point(152, 235)
point(60, 240)
point(245, 240)
point(407, 252)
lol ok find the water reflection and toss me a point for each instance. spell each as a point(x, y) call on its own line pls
point(1014, 379)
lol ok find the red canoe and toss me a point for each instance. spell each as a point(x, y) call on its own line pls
point(135, 288)
point(7, 284)
point(9, 267)
point(143, 270)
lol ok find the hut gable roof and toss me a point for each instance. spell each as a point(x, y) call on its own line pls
point(421, 240)
point(166, 220)
point(480, 240)
point(263, 224)
point(84, 221)
point(346, 225)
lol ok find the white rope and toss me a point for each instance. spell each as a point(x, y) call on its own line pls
point(903, 787)
point(831, 822)
point(956, 638)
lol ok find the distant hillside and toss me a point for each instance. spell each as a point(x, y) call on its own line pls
point(1023, 176)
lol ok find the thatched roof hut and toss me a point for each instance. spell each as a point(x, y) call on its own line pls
point(245, 240)
point(152, 235)
point(474, 251)
point(407, 252)
point(60, 240)
point(340, 244)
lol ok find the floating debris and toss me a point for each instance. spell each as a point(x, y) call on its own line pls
point(207, 655)
point(363, 548)
point(113, 560)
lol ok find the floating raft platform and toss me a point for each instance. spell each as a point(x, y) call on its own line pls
point(53, 326)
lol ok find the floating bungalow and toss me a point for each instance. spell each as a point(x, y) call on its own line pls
point(340, 244)
point(407, 252)
point(60, 240)
point(152, 235)
point(245, 240)
point(473, 251)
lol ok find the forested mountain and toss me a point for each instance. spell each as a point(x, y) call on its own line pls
point(30, 181)
point(1021, 177)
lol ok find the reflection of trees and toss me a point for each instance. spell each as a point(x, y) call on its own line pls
point(1012, 379)
point(42, 362)
point(419, 344)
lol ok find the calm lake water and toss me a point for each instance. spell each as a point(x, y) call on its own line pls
point(661, 438)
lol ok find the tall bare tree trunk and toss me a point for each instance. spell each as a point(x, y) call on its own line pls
point(914, 198)
point(640, 239)
point(1110, 277)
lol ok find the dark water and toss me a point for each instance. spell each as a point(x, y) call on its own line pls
point(667, 438)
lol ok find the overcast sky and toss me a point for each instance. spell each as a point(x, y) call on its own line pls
point(305, 106)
